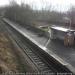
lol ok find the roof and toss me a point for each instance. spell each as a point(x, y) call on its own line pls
point(61, 28)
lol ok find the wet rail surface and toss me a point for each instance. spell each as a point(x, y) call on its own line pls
point(42, 60)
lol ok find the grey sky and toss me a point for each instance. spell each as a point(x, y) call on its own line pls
point(60, 5)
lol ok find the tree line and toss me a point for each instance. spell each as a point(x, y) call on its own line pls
point(25, 15)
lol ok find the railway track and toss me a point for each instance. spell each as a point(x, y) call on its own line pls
point(35, 58)
point(43, 63)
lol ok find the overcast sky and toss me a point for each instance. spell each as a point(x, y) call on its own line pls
point(59, 5)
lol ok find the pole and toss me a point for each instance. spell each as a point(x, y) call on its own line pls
point(70, 24)
point(49, 38)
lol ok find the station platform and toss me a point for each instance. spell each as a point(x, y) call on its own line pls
point(56, 48)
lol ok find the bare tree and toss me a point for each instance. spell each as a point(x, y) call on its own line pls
point(20, 13)
point(71, 15)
